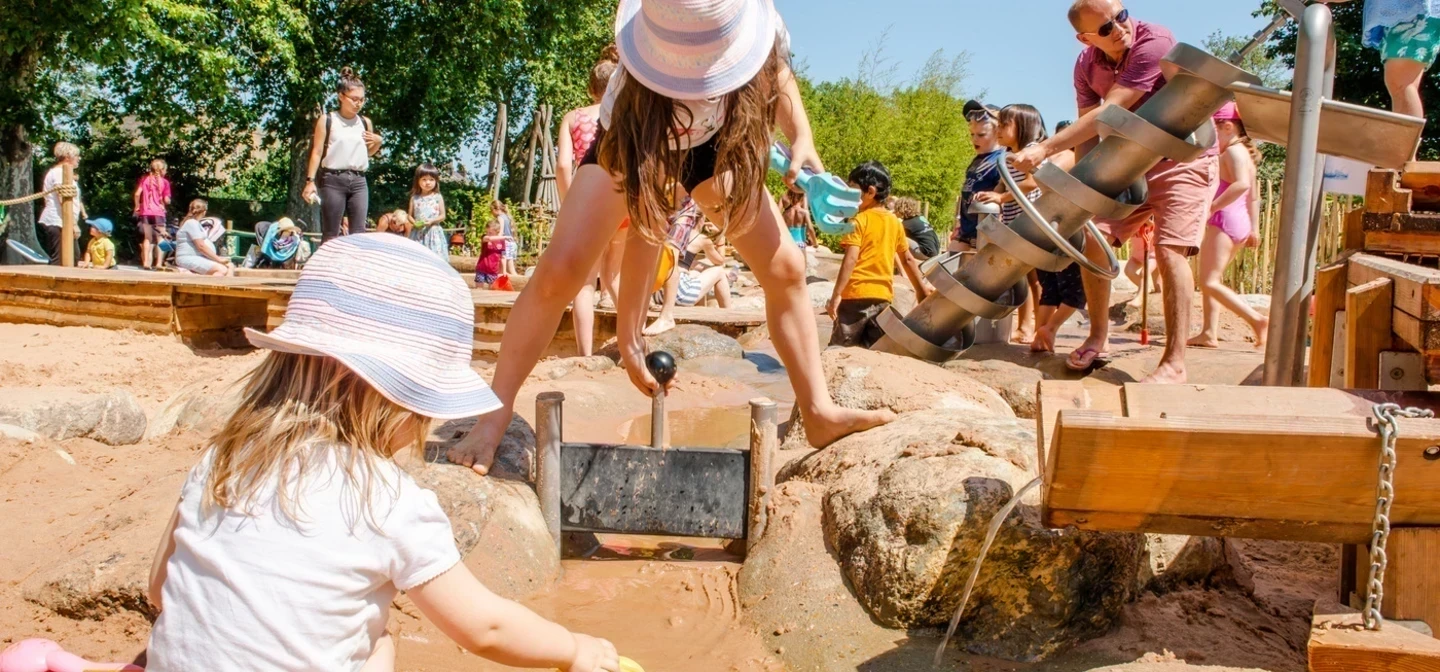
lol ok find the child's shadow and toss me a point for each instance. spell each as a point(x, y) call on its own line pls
point(513, 459)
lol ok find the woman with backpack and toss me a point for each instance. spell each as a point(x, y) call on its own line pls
point(340, 154)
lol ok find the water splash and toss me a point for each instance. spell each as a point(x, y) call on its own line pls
point(990, 534)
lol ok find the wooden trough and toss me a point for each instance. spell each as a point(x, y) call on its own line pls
point(1297, 464)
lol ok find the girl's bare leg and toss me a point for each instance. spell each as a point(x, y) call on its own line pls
point(588, 219)
point(665, 321)
point(779, 266)
point(1215, 255)
point(610, 264)
point(582, 317)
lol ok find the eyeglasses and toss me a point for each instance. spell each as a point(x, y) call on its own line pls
point(359, 102)
point(1109, 26)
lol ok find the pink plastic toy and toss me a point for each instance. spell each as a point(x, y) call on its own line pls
point(43, 655)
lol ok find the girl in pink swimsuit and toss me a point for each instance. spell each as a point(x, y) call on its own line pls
point(577, 134)
point(1230, 228)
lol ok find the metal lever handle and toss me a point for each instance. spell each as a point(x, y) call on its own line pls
point(1049, 230)
point(661, 365)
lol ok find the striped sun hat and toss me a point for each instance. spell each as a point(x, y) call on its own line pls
point(399, 317)
point(694, 49)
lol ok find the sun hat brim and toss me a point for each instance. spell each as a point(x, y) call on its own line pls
point(733, 67)
point(448, 394)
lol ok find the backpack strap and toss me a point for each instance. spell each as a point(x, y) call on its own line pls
point(325, 147)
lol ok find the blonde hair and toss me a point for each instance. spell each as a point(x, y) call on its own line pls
point(198, 208)
point(293, 406)
point(65, 150)
point(158, 166)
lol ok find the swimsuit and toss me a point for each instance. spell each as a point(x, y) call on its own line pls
point(1234, 219)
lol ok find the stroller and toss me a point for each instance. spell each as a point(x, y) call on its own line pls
point(279, 245)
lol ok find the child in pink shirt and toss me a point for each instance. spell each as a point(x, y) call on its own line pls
point(152, 196)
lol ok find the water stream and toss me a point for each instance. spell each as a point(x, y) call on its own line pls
point(995, 524)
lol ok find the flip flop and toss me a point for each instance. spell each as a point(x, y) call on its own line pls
point(1087, 360)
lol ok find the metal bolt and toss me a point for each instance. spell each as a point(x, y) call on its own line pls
point(1432, 453)
point(1397, 373)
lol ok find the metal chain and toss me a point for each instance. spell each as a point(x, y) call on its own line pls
point(61, 189)
point(1385, 415)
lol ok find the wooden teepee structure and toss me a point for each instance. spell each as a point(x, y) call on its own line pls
point(545, 200)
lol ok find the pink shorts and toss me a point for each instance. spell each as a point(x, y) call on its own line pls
point(1180, 195)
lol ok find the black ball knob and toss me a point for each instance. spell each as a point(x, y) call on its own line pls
point(661, 365)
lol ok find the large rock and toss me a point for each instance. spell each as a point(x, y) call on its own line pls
point(1172, 560)
point(556, 369)
point(114, 417)
point(201, 407)
point(906, 510)
point(1016, 384)
point(868, 380)
point(687, 341)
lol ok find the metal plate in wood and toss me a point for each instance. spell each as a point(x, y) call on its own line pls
point(681, 492)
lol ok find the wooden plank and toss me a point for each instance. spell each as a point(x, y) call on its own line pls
point(683, 492)
point(1340, 643)
point(1353, 237)
point(1417, 288)
point(1329, 300)
point(1291, 477)
point(1402, 243)
point(1412, 580)
point(1052, 396)
point(1155, 401)
point(1367, 332)
point(1382, 193)
point(1422, 178)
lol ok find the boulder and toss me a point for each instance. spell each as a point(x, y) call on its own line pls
point(687, 341)
point(906, 509)
point(20, 434)
point(820, 293)
point(1172, 560)
point(868, 380)
point(1016, 384)
point(556, 369)
point(114, 418)
point(200, 407)
point(794, 595)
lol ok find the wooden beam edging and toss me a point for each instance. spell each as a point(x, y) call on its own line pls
point(1329, 301)
point(1340, 643)
point(1368, 328)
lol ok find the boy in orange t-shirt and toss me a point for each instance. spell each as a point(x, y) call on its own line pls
point(865, 286)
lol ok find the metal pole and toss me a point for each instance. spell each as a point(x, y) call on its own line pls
point(67, 215)
point(657, 420)
point(1312, 239)
point(1287, 301)
point(549, 419)
point(763, 437)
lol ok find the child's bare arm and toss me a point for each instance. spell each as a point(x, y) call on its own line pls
point(637, 280)
point(503, 631)
point(923, 288)
point(162, 556)
point(847, 267)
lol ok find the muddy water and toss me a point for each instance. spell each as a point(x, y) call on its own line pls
point(720, 427)
point(666, 615)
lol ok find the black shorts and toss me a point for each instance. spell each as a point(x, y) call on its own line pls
point(699, 162)
point(1064, 287)
point(855, 322)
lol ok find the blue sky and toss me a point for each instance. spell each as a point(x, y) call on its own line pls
point(1021, 51)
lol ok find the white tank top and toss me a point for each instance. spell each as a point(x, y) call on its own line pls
point(347, 144)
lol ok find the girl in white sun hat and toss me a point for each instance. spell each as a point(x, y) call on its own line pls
point(296, 529)
point(701, 86)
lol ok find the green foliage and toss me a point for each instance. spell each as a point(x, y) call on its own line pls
point(1274, 73)
point(1359, 74)
point(918, 130)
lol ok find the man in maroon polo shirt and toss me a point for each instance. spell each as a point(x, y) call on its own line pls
point(1121, 66)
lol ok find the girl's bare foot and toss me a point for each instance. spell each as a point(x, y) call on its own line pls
point(1023, 336)
point(477, 449)
point(1202, 340)
point(1262, 329)
point(1166, 374)
point(1044, 341)
point(659, 326)
point(826, 427)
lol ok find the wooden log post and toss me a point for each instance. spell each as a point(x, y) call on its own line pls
point(763, 436)
point(1329, 301)
point(1368, 325)
point(68, 224)
point(549, 421)
point(1412, 579)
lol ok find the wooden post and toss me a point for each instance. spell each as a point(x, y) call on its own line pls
point(1412, 580)
point(549, 422)
point(67, 216)
point(530, 153)
point(1329, 299)
point(1367, 332)
point(763, 436)
point(497, 151)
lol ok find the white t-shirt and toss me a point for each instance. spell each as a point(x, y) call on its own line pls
point(50, 214)
point(347, 149)
point(706, 116)
point(257, 590)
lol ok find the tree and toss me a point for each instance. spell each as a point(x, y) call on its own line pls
point(1359, 75)
point(1273, 72)
point(175, 61)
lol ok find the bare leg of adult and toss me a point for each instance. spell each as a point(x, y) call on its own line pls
point(722, 286)
point(1179, 285)
point(1402, 78)
point(1216, 291)
point(589, 217)
point(1097, 300)
point(582, 316)
point(1214, 255)
point(712, 278)
point(779, 267)
point(665, 321)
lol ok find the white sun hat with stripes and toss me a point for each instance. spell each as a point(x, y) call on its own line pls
point(396, 315)
point(695, 49)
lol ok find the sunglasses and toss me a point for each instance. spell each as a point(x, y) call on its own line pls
point(980, 115)
point(1109, 26)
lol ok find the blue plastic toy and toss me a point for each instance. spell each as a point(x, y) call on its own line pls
point(832, 201)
